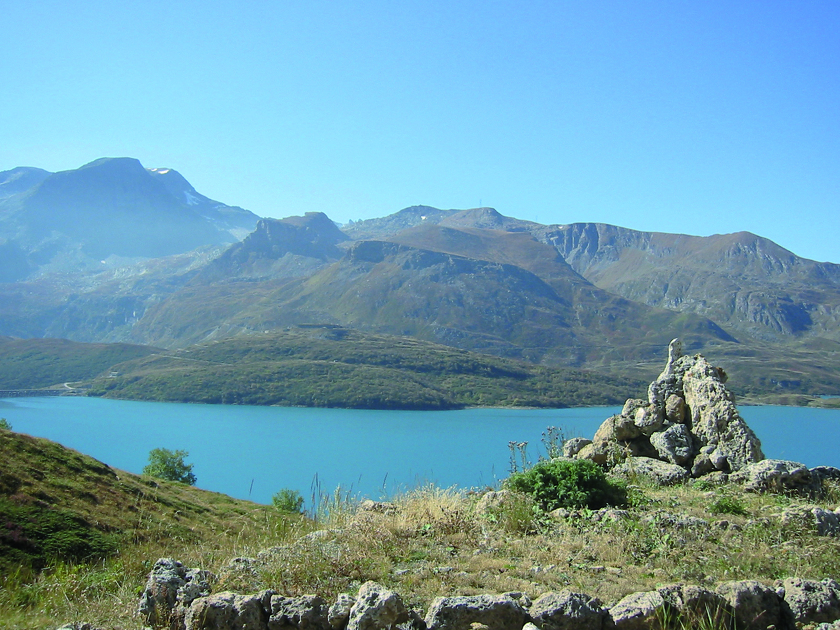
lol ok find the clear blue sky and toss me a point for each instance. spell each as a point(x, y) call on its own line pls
point(694, 117)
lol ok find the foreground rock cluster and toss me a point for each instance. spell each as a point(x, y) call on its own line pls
point(179, 598)
point(689, 421)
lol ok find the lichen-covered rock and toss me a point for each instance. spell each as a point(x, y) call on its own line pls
point(675, 444)
point(169, 591)
point(339, 612)
point(307, 612)
point(675, 409)
point(376, 608)
point(648, 419)
point(637, 611)
point(661, 473)
point(566, 610)
point(776, 475)
point(811, 601)
point(755, 606)
point(493, 612)
point(572, 446)
point(617, 427)
point(820, 520)
point(715, 419)
point(229, 611)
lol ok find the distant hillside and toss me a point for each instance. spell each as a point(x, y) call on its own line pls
point(327, 366)
point(57, 504)
point(39, 363)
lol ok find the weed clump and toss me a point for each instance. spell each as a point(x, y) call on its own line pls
point(570, 484)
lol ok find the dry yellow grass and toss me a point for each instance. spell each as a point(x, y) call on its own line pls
point(433, 541)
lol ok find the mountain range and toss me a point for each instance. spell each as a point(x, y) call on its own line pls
point(114, 252)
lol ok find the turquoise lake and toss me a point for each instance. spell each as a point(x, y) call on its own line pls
point(252, 452)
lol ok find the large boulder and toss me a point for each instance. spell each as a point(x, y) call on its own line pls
point(675, 444)
point(659, 472)
point(229, 611)
point(566, 610)
point(638, 611)
point(811, 601)
point(170, 589)
point(715, 419)
point(755, 606)
point(777, 475)
point(493, 612)
point(377, 608)
point(307, 612)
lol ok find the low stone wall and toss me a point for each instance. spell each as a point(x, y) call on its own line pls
point(179, 598)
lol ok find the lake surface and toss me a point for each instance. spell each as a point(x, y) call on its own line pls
point(252, 452)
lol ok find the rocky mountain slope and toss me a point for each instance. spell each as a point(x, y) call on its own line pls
point(112, 208)
point(82, 259)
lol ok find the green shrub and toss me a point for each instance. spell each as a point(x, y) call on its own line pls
point(568, 484)
point(727, 504)
point(287, 500)
point(169, 465)
point(4, 424)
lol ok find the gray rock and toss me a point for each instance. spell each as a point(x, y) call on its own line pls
point(631, 405)
point(229, 611)
point(818, 519)
point(381, 507)
point(339, 612)
point(648, 419)
point(675, 409)
point(715, 419)
point(170, 589)
point(495, 612)
point(755, 606)
point(78, 625)
point(637, 611)
point(376, 608)
point(675, 444)
point(776, 475)
point(304, 612)
point(661, 473)
point(811, 601)
point(566, 610)
point(572, 446)
point(617, 427)
point(601, 452)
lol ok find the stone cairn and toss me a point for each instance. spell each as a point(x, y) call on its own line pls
point(689, 426)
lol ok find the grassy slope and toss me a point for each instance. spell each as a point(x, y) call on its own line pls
point(56, 503)
point(38, 363)
point(336, 367)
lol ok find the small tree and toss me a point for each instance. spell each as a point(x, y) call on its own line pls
point(287, 500)
point(4, 424)
point(169, 465)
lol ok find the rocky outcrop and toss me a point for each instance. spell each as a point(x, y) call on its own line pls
point(689, 420)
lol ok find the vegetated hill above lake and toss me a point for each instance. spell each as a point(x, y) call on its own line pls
point(39, 363)
point(57, 504)
point(110, 208)
point(329, 366)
